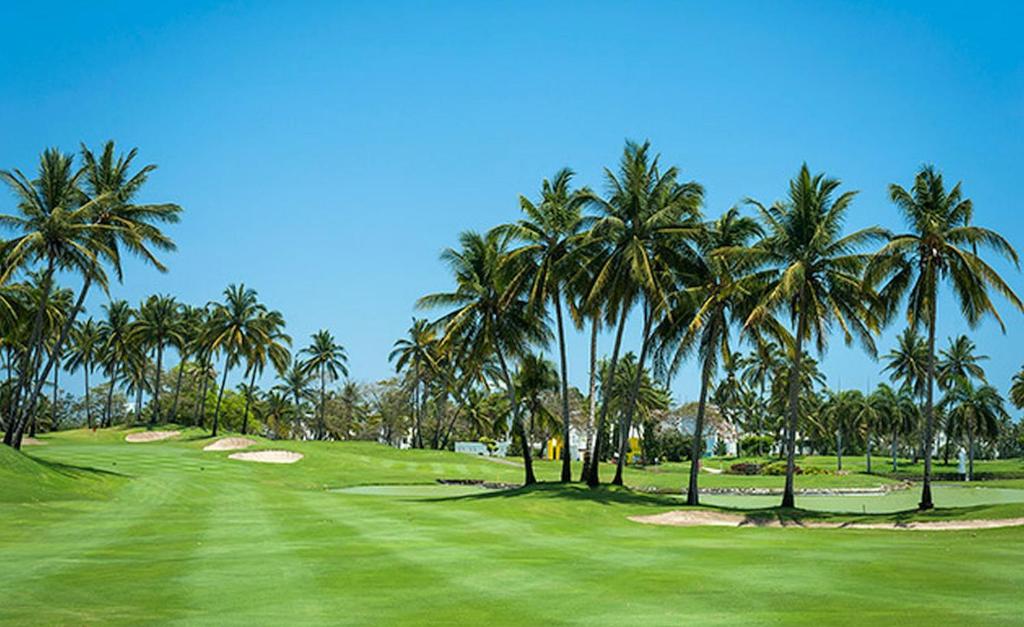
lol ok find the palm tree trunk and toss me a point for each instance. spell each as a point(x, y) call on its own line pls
point(88, 407)
point(692, 490)
point(634, 390)
point(593, 478)
point(839, 448)
point(177, 388)
point(323, 421)
point(248, 400)
point(970, 453)
point(788, 499)
point(108, 417)
point(869, 450)
point(155, 416)
point(762, 410)
point(12, 437)
point(895, 448)
point(587, 456)
point(566, 426)
point(929, 410)
point(56, 392)
point(417, 435)
point(33, 399)
point(220, 395)
point(517, 423)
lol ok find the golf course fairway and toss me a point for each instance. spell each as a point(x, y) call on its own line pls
point(96, 530)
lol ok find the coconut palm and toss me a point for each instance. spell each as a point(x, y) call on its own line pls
point(908, 362)
point(84, 352)
point(271, 346)
point(295, 384)
point(975, 411)
point(549, 232)
point(1017, 390)
point(54, 229)
point(702, 313)
point(534, 380)
point(117, 224)
point(189, 320)
point(115, 349)
point(898, 415)
point(941, 244)
point(233, 329)
point(491, 316)
point(326, 359)
point(763, 361)
point(811, 272)
point(639, 228)
point(868, 414)
point(958, 362)
point(156, 325)
point(416, 352)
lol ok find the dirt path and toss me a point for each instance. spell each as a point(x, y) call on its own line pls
point(694, 518)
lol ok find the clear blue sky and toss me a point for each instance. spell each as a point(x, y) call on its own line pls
point(326, 153)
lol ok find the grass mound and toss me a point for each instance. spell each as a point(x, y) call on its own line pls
point(24, 478)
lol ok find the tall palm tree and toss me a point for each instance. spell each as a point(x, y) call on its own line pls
point(908, 362)
point(959, 362)
point(491, 315)
point(639, 226)
point(234, 327)
point(976, 411)
point(810, 271)
point(702, 313)
point(54, 229)
point(868, 413)
point(295, 382)
point(117, 223)
point(549, 232)
point(157, 325)
point(327, 359)
point(84, 352)
point(764, 360)
point(417, 351)
point(534, 379)
point(900, 414)
point(115, 350)
point(271, 346)
point(941, 244)
point(189, 320)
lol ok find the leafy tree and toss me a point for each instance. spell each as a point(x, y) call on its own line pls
point(941, 244)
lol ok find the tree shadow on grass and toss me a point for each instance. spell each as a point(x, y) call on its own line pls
point(75, 471)
point(604, 495)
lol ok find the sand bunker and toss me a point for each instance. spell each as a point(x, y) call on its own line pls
point(28, 441)
point(150, 436)
point(268, 457)
point(682, 518)
point(229, 444)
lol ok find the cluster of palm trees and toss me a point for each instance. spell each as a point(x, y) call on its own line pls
point(643, 251)
point(78, 218)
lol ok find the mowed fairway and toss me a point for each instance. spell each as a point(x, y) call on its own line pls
point(186, 536)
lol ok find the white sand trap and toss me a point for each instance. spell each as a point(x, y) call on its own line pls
point(694, 518)
point(151, 436)
point(229, 444)
point(27, 441)
point(268, 457)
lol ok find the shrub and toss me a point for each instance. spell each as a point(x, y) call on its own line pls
point(675, 446)
point(745, 468)
point(779, 468)
point(751, 444)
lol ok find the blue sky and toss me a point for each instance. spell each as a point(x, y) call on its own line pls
point(326, 153)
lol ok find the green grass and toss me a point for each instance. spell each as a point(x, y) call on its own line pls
point(179, 535)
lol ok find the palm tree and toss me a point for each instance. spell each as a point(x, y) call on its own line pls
point(234, 328)
point(115, 349)
point(271, 346)
point(417, 352)
point(294, 384)
point(900, 414)
point(548, 233)
point(868, 413)
point(702, 312)
point(535, 378)
point(941, 244)
point(326, 358)
point(189, 320)
point(157, 325)
point(54, 228)
point(639, 227)
point(812, 272)
point(908, 362)
point(491, 316)
point(976, 411)
point(83, 352)
point(763, 361)
point(1017, 390)
point(108, 189)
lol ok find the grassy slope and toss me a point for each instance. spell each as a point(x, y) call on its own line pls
point(192, 536)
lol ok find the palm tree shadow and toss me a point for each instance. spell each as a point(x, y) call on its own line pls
point(603, 495)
